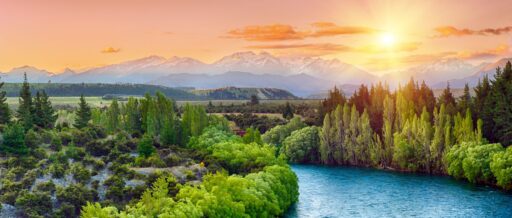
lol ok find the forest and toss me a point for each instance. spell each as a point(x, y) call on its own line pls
point(149, 157)
point(410, 130)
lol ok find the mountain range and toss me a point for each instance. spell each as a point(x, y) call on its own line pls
point(302, 76)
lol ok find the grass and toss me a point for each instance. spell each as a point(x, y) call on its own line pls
point(99, 102)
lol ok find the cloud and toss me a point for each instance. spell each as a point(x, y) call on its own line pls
point(274, 32)
point(491, 53)
point(330, 29)
point(281, 32)
point(110, 50)
point(446, 31)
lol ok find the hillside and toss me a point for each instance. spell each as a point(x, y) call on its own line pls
point(245, 93)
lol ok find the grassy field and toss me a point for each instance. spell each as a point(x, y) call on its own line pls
point(99, 102)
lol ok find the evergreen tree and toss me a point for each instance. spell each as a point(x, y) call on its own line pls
point(288, 111)
point(25, 107)
point(497, 116)
point(38, 117)
point(465, 101)
point(14, 140)
point(482, 91)
point(48, 113)
point(254, 100)
point(5, 112)
point(448, 100)
point(83, 114)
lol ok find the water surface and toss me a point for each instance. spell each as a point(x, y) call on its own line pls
point(357, 192)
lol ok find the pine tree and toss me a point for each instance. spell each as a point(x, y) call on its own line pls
point(14, 140)
point(25, 107)
point(448, 100)
point(38, 117)
point(498, 108)
point(5, 112)
point(254, 100)
point(288, 111)
point(481, 93)
point(48, 113)
point(465, 101)
point(83, 114)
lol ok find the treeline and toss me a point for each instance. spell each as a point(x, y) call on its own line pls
point(410, 130)
point(99, 89)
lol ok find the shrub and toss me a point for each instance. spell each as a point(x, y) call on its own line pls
point(34, 204)
point(145, 146)
point(501, 167)
point(80, 173)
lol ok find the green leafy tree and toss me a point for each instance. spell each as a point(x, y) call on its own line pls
point(113, 113)
point(501, 167)
point(302, 145)
point(133, 116)
point(252, 135)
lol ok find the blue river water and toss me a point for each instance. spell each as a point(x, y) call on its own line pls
point(358, 192)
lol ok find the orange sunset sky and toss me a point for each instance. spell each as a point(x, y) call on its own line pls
point(375, 35)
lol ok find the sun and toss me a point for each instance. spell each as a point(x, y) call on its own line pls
point(387, 39)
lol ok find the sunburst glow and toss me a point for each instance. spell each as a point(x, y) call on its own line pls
point(387, 39)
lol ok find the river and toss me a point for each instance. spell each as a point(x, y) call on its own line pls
point(358, 192)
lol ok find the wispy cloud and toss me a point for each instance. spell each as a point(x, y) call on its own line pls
point(281, 32)
point(446, 31)
point(274, 32)
point(491, 53)
point(110, 50)
point(330, 29)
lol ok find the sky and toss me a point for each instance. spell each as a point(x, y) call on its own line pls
point(378, 35)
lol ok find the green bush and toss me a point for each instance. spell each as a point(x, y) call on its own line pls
point(302, 145)
point(80, 173)
point(34, 204)
point(501, 167)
